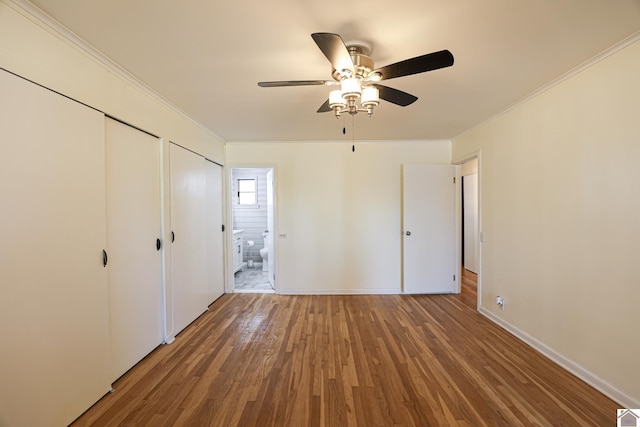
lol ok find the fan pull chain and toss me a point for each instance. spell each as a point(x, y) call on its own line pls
point(353, 133)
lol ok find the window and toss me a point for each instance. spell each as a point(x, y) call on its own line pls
point(247, 191)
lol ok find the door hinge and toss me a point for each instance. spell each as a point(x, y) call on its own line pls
point(454, 277)
point(454, 179)
point(223, 228)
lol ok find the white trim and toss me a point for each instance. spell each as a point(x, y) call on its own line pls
point(593, 380)
point(467, 157)
point(569, 74)
point(254, 291)
point(54, 27)
point(338, 141)
point(388, 291)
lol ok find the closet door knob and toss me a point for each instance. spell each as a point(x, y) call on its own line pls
point(104, 258)
point(158, 244)
point(408, 233)
point(173, 237)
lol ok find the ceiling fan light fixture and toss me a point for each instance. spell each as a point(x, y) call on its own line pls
point(354, 71)
point(336, 100)
point(370, 99)
point(370, 96)
point(351, 88)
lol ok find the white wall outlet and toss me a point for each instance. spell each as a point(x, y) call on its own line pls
point(500, 302)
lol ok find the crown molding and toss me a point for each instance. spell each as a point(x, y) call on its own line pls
point(57, 29)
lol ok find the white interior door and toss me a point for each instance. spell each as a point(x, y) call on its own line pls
point(272, 231)
point(429, 223)
point(134, 246)
point(470, 218)
point(188, 226)
point(54, 339)
point(214, 235)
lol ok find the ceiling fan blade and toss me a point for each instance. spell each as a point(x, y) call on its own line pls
point(294, 83)
point(335, 50)
point(396, 96)
point(324, 108)
point(419, 64)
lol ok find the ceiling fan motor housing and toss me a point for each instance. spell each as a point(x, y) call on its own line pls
point(362, 63)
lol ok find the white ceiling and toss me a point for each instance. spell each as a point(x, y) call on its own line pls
point(206, 57)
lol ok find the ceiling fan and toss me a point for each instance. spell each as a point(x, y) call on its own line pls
point(353, 71)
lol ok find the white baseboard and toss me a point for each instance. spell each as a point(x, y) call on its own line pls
point(596, 382)
point(391, 291)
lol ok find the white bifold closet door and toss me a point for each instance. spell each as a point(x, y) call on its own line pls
point(54, 339)
point(188, 228)
point(133, 245)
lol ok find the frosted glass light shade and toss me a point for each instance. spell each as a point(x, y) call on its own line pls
point(351, 87)
point(335, 99)
point(370, 96)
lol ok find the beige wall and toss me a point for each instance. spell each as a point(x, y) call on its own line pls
point(340, 210)
point(559, 193)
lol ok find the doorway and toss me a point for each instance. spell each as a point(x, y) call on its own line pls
point(252, 220)
point(471, 226)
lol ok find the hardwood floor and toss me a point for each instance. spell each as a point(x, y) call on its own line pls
point(365, 360)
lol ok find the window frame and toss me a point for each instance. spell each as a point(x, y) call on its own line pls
point(255, 192)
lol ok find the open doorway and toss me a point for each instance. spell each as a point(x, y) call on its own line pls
point(470, 214)
point(252, 218)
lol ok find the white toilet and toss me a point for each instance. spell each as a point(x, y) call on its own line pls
point(264, 253)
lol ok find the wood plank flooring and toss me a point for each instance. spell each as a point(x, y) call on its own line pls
point(365, 360)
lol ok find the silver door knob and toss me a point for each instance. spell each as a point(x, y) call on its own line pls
point(408, 233)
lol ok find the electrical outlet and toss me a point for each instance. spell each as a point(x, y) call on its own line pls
point(500, 302)
point(283, 235)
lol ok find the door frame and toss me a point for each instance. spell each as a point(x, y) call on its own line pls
point(228, 220)
point(459, 161)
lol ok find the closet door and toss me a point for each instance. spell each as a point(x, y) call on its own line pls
point(134, 246)
point(214, 235)
point(53, 305)
point(188, 225)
